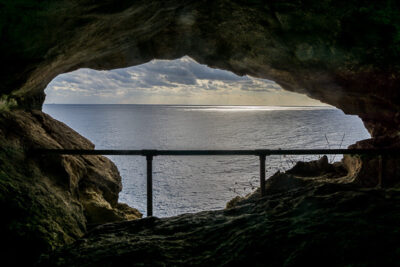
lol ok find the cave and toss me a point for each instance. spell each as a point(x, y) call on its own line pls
point(343, 53)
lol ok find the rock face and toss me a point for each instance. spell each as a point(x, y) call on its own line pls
point(49, 201)
point(303, 221)
point(344, 53)
point(373, 171)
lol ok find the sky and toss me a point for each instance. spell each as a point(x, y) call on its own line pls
point(180, 81)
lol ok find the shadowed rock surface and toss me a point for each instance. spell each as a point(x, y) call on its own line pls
point(374, 171)
point(49, 201)
point(303, 221)
point(344, 53)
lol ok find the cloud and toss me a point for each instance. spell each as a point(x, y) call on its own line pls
point(158, 80)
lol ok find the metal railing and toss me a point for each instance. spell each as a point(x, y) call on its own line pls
point(261, 153)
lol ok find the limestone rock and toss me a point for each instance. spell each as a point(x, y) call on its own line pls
point(49, 201)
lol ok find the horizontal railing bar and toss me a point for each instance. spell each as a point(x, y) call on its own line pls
point(261, 153)
point(256, 152)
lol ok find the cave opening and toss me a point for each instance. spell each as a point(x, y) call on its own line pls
point(344, 53)
point(181, 104)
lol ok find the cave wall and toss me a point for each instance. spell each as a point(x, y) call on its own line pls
point(344, 53)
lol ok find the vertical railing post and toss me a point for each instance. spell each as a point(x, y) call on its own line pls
point(262, 174)
point(380, 171)
point(149, 160)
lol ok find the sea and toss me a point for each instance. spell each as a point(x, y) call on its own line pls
point(187, 184)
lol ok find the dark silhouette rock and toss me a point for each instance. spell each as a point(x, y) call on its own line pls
point(317, 168)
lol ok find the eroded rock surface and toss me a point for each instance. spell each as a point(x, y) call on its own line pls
point(48, 201)
point(303, 221)
point(344, 53)
point(378, 170)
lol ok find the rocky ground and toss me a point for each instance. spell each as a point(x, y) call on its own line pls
point(315, 218)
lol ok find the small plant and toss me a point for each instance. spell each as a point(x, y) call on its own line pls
point(340, 146)
point(7, 103)
point(332, 159)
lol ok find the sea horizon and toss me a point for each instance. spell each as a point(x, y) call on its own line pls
point(197, 105)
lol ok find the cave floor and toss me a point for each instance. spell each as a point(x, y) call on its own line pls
point(302, 221)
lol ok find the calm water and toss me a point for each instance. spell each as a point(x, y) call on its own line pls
point(190, 184)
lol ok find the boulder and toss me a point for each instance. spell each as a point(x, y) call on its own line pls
point(49, 201)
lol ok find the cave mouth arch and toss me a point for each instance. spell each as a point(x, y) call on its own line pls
point(187, 126)
point(343, 54)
